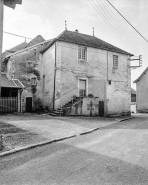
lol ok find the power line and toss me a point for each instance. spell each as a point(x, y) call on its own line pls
point(17, 35)
point(128, 22)
point(117, 23)
point(112, 22)
point(106, 20)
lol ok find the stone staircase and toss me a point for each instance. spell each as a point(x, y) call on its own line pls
point(61, 111)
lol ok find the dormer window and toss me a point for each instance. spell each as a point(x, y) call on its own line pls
point(82, 53)
point(33, 81)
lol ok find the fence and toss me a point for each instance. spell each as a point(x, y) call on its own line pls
point(8, 105)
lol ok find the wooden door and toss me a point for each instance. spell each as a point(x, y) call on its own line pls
point(28, 104)
point(101, 108)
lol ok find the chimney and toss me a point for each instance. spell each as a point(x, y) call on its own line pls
point(76, 31)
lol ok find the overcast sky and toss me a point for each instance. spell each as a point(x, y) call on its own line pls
point(47, 18)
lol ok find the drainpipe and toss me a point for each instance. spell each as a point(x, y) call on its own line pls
point(54, 77)
point(107, 66)
point(21, 101)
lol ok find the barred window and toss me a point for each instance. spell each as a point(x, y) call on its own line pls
point(115, 61)
point(82, 53)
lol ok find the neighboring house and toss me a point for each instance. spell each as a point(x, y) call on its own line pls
point(133, 101)
point(142, 91)
point(81, 74)
point(23, 63)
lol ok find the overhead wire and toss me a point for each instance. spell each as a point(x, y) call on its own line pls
point(128, 22)
point(17, 35)
point(106, 20)
point(117, 23)
point(112, 22)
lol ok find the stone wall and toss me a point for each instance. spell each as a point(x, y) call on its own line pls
point(25, 65)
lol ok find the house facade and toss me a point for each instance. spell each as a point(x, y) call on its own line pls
point(75, 65)
point(22, 63)
point(142, 91)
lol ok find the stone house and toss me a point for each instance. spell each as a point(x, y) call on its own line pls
point(142, 91)
point(22, 63)
point(88, 70)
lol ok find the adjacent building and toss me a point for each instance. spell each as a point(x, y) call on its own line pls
point(142, 91)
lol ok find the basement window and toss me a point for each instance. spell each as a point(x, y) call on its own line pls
point(115, 61)
point(82, 53)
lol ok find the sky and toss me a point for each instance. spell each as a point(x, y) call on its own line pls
point(47, 18)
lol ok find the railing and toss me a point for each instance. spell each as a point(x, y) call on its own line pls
point(8, 105)
point(70, 96)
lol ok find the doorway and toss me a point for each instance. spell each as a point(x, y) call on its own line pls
point(82, 87)
point(29, 104)
point(101, 108)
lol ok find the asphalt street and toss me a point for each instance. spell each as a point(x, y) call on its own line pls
point(114, 155)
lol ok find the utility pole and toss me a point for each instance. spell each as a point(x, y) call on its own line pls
point(1, 35)
point(10, 4)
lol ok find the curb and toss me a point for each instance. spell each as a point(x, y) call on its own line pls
point(3, 154)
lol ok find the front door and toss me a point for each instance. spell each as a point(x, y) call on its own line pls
point(28, 104)
point(82, 87)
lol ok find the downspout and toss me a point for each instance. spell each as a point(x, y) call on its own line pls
point(21, 101)
point(54, 77)
point(107, 66)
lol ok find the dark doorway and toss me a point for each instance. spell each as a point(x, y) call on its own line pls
point(28, 104)
point(101, 108)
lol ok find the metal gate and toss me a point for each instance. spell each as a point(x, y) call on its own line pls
point(8, 105)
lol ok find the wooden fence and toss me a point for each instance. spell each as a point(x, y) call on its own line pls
point(8, 105)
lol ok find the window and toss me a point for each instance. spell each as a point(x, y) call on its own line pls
point(43, 82)
point(109, 82)
point(82, 53)
point(33, 81)
point(115, 61)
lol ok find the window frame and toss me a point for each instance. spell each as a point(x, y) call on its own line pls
point(115, 61)
point(82, 53)
point(33, 81)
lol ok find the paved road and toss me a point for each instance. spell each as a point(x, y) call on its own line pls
point(115, 155)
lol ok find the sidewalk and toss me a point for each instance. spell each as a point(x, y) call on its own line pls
point(50, 129)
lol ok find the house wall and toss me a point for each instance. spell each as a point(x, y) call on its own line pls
point(119, 92)
point(23, 66)
point(48, 70)
point(142, 93)
point(97, 70)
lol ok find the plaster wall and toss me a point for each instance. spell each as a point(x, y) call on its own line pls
point(119, 91)
point(142, 93)
point(97, 70)
point(48, 71)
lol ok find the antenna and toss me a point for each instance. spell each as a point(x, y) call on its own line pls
point(93, 31)
point(65, 25)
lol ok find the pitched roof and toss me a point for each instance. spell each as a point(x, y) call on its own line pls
point(86, 40)
point(18, 47)
point(36, 40)
point(10, 83)
point(141, 75)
